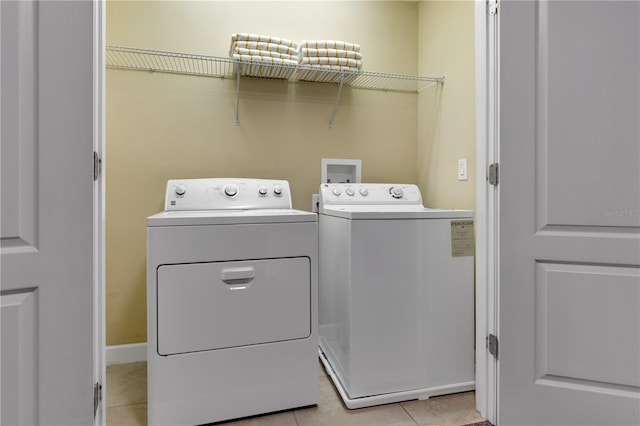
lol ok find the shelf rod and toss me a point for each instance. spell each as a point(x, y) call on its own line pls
point(335, 105)
point(238, 97)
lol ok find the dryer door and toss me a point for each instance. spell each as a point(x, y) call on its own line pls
point(217, 305)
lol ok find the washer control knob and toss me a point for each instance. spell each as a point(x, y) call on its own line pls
point(364, 192)
point(336, 191)
point(181, 189)
point(350, 192)
point(262, 190)
point(231, 190)
point(396, 192)
point(277, 189)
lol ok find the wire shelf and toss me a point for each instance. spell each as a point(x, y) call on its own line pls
point(214, 66)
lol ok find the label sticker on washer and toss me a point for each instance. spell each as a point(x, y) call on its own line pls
point(462, 238)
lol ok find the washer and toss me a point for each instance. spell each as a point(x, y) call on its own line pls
point(396, 308)
point(231, 302)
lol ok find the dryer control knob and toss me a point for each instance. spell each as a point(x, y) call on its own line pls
point(181, 189)
point(364, 192)
point(350, 192)
point(277, 189)
point(231, 190)
point(396, 192)
point(262, 190)
point(336, 192)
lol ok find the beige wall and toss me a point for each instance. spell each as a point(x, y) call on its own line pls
point(446, 114)
point(162, 126)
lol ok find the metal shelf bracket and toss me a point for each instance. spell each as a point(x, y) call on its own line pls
point(238, 98)
point(335, 105)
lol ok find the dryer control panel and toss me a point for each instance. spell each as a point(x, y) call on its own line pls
point(227, 194)
point(369, 194)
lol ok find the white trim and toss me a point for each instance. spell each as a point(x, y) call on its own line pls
point(99, 320)
point(493, 210)
point(486, 207)
point(124, 354)
point(481, 205)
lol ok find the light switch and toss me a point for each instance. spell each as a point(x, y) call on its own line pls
point(462, 169)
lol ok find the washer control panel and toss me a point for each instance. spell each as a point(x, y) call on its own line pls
point(369, 193)
point(227, 194)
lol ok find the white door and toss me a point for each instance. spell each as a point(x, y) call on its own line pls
point(47, 220)
point(569, 292)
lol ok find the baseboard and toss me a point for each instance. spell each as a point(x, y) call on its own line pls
point(124, 354)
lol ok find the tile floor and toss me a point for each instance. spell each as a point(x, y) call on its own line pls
point(127, 406)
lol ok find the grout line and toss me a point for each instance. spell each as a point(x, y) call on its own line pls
point(408, 413)
point(124, 405)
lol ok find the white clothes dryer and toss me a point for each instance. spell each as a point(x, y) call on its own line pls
point(396, 294)
point(231, 302)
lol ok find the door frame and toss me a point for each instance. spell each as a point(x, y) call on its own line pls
point(487, 37)
point(99, 217)
point(486, 215)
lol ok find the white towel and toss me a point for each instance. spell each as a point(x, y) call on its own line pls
point(330, 44)
point(332, 53)
point(258, 52)
point(262, 38)
point(355, 63)
point(271, 47)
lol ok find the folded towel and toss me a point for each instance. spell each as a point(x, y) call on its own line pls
point(268, 71)
point(264, 60)
point(356, 63)
point(262, 38)
point(341, 68)
point(333, 53)
point(258, 52)
point(330, 44)
point(263, 45)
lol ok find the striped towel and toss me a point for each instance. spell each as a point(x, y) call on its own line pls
point(355, 63)
point(334, 68)
point(330, 44)
point(265, 71)
point(264, 66)
point(257, 59)
point(271, 47)
point(331, 53)
point(262, 38)
point(258, 52)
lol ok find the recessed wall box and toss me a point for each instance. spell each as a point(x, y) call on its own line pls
point(337, 170)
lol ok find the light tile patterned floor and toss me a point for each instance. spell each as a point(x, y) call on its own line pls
point(127, 406)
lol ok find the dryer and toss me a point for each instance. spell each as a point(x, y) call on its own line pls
point(396, 294)
point(231, 302)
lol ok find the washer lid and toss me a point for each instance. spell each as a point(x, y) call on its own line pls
point(393, 212)
point(229, 217)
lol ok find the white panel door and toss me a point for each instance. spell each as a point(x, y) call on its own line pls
point(569, 308)
point(47, 221)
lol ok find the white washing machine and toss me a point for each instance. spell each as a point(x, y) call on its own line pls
point(396, 294)
point(231, 302)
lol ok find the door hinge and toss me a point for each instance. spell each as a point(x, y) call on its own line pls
point(97, 166)
point(494, 174)
point(492, 345)
point(493, 7)
point(97, 397)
